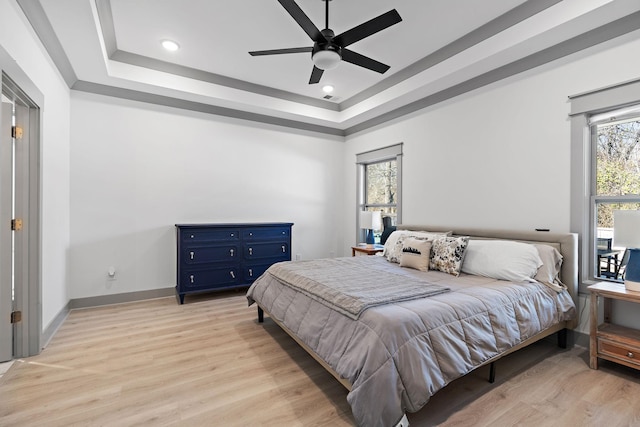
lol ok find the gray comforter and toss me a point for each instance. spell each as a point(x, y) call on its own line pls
point(396, 356)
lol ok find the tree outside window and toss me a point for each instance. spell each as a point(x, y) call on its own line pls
point(617, 182)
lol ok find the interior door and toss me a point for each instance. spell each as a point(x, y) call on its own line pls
point(6, 245)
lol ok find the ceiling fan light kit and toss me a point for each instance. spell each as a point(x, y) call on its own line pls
point(328, 49)
point(326, 59)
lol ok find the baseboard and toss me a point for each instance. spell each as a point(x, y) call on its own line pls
point(120, 298)
point(55, 324)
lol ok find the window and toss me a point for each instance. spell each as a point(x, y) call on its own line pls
point(379, 188)
point(605, 175)
point(615, 185)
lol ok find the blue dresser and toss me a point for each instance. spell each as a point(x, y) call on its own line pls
point(226, 256)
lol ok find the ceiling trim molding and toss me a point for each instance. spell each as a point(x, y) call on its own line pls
point(167, 101)
point(495, 26)
point(105, 16)
point(38, 19)
point(583, 41)
point(205, 76)
point(480, 34)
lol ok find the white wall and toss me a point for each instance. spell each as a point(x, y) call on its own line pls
point(498, 157)
point(21, 43)
point(138, 169)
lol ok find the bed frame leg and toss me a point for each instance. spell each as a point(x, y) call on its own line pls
point(260, 315)
point(562, 338)
point(492, 372)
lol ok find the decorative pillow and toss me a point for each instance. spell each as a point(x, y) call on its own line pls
point(390, 245)
point(415, 253)
point(502, 260)
point(393, 245)
point(447, 254)
point(549, 272)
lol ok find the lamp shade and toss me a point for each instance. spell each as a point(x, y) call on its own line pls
point(366, 220)
point(376, 220)
point(626, 228)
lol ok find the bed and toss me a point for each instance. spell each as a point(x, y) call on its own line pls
point(394, 334)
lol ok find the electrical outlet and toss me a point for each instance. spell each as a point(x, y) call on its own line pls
point(298, 257)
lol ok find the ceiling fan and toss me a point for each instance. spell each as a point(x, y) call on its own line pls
point(328, 49)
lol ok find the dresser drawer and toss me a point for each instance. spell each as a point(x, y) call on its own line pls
point(209, 277)
point(278, 250)
point(620, 351)
point(253, 271)
point(266, 233)
point(210, 235)
point(206, 254)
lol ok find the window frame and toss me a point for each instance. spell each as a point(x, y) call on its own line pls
point(385, 154)
point(587, 111)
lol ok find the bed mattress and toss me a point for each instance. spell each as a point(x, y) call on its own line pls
point(397, 355)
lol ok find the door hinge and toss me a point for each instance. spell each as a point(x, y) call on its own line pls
point(16, 316)
point(16, 224)
point(16, 132)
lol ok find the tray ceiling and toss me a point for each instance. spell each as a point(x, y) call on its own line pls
point(440, 49)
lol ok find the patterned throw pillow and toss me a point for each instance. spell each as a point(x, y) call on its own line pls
point(447, 254)
point(393, 245)
point(415, 254)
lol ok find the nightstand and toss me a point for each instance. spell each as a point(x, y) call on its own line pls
point(366, 249)
point(610, 341)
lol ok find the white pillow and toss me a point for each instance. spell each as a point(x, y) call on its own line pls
point(549, 273)
point(502, 260)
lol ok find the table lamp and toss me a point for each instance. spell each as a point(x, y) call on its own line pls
point(626, 233)
point(370, 221)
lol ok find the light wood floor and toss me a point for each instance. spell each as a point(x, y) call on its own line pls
point(209, 363)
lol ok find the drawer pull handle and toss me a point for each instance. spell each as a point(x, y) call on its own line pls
point(191, 277)
point(250, 272)
point(231, 234)
point(283, 249)
point(629, 354)
point(250, 251)
point(233, 275)
point(191, 254)
point(192, 236)
point(231, 252)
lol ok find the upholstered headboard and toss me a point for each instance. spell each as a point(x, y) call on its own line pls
point(566, 243)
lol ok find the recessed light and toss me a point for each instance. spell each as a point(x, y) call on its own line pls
point(327, 88)
point(170, 45)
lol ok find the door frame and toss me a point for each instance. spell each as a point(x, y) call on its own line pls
point(27, 334)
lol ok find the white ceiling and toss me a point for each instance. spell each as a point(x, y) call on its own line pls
point(440, 49)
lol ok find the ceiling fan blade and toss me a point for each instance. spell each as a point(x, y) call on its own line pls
point(363, 61)
point(281, 51)
point(368, 28)
point(316, 74)
point(302, 19)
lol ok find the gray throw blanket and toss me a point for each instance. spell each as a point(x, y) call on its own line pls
point(348, 286)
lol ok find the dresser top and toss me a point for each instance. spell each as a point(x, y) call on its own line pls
point(239, 224)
